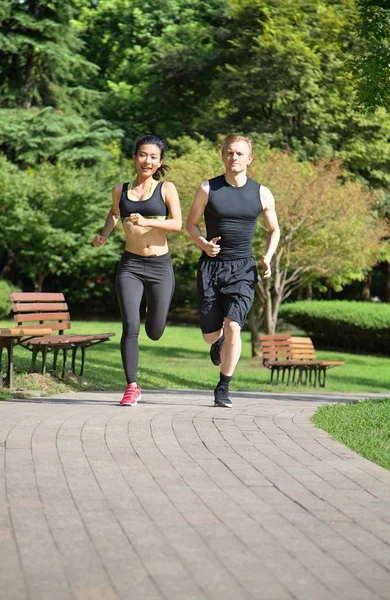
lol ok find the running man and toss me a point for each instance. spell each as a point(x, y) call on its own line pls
point(227, 274)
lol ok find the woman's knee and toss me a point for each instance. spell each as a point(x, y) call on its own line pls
point(154, 332)
point(131, 326)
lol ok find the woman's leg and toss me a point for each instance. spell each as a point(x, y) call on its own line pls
point(130, 288)
point(159, 291)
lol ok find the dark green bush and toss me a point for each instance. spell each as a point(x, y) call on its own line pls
point(344, 325)
point(5, 305)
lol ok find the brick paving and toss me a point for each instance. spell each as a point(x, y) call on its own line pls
point(174, 499)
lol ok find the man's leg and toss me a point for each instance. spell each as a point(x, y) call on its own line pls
point(231, 348)
point(230, 354)
point(211, 338)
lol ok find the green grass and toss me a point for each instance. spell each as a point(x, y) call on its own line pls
point(180, 360)
point(364, 427)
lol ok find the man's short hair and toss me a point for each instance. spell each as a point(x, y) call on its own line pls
point(233, 137)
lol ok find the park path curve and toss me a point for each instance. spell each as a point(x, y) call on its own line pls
point(176, 500)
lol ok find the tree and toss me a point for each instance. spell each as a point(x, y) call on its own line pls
point(48, 218)
point(371, 62)
point(30, 137)
point(40, 53)
point(329, 230)
point(148, 52)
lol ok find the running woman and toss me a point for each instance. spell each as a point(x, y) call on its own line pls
point(148, 210)
point(227, 274)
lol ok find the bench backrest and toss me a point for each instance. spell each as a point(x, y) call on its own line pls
point(275, 347)
point(281, 347)
point(302, 349)
point(41, 310)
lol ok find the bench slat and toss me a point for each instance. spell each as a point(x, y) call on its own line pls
point(39, 306)
point(36, 297)
point(55, 326)
point(59, 316)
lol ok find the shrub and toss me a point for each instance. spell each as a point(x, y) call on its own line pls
point(5, 305)
point(356, 326)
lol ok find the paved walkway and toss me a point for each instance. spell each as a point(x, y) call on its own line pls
point(179, 501)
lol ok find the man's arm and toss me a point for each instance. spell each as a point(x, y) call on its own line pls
point(195, 215)
point(111, 219)
point(271, 222)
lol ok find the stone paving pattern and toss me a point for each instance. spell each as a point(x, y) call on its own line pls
point(176, 500)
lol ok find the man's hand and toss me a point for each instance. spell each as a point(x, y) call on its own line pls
point(212, 248)
point(99, 240)
point(266, 262)
point(137, 219)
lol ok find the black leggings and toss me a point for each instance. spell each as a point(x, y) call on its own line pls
point(135, 274)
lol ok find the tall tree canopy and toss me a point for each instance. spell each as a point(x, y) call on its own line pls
point(372, 62)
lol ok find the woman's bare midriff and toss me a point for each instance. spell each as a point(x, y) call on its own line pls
point(145, 241)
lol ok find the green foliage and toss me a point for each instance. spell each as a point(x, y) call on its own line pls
point(372, 61)
point(49, 217)
point(30, 137)
point(6, 288)
point(353, 326)
point(150, 51)
point(40, 53)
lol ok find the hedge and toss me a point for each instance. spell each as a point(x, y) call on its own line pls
point(341, 324)
point(5, 304)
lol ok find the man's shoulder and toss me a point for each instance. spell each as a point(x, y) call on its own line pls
point(253, 182)
point(217, 183)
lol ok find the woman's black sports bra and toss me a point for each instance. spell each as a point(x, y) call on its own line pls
point(152, 208)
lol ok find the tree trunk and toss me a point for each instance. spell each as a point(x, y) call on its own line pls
point(28, 88)
point(309, 292)
point(387, 290)
point(9, 264)
point(254, 323)
point(270, 324)
point(38, 281)
point(365, 290)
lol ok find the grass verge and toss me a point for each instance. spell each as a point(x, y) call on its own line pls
point(180, 360)
point(364, 427)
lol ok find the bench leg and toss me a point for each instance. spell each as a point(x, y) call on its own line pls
point(284, 371)
point(35, 351)
point(44, 356)
point(313, 371)
point(82, 350)
point(8, 347)
point(55, 360)
point(322, 376)
point(65, 356)
point(302, 377)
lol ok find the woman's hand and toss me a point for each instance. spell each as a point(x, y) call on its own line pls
point(99, 240)
point(137, 219)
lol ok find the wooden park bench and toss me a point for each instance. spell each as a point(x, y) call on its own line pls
point(43, 310)
point(295, 359)
point(8, 338)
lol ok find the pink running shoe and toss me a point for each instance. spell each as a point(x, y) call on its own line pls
point(131, 396)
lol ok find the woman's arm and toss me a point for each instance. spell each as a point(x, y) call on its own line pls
point(111, 219)
point(174, 223)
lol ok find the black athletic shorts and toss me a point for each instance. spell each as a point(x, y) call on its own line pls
point(226, 288)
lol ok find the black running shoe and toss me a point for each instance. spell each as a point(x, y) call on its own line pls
point(215, 351)
point(221, 397)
